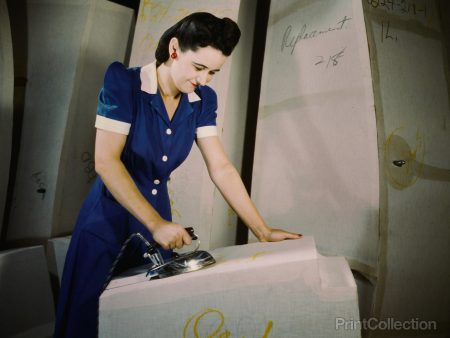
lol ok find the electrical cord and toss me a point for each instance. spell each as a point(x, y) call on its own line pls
point(151, 250)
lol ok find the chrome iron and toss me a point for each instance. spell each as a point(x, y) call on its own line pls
point(180, 262)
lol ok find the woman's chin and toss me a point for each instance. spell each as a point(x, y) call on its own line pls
point(188, 90)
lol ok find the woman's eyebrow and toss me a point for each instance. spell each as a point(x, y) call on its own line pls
point(203, 66)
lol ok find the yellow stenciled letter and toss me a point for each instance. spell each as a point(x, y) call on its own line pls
point(214, 320)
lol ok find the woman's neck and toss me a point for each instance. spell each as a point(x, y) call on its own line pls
point(165, 84)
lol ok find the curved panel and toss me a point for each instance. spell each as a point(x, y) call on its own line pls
point(412, 98)
point(316, 157)
point(70, 44)
point(6, 103)
point(105, 40)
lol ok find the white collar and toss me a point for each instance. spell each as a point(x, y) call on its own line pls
point(149, 82)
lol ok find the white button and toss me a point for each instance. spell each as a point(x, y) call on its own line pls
point(156, 182)
point(154, 192)
point(168, 131)
point(165, 158)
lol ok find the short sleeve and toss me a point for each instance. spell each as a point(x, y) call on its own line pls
point(206, 122)
point(114, 109)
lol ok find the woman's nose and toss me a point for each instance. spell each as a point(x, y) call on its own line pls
point(202, 78)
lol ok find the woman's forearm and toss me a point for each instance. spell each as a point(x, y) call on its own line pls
point(230, 184)
point(119, 182)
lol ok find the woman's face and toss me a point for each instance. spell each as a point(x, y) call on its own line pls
point(191, 69)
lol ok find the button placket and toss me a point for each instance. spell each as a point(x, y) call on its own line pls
point(156, 182)
point(168, 144)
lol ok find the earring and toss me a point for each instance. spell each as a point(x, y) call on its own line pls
point(174, 54)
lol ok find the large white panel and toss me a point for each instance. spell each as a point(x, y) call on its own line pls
point(195, 202)
point(54, 35)
point(70, 44)
point(26, 306)
point(105, 40)
point(412, 92)
point(316, 164)
point(266, 290)
point(6, 103)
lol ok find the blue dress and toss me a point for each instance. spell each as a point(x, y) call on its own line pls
point(130, 104)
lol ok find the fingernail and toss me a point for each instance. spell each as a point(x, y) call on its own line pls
point(300, 235)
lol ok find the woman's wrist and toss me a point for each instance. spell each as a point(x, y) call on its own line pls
point(153, 223)
point(262, 232)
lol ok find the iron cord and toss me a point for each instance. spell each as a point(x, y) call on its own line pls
point(151, 250)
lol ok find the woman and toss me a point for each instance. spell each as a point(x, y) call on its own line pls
point(147, 121)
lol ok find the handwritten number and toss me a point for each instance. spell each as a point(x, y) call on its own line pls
point(319, 62)
point(332, 59)
point(404, 7)
point(386, 32)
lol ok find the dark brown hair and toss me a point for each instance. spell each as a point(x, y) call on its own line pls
point(198, 30)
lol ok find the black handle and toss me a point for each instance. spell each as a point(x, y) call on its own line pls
point(190, 231)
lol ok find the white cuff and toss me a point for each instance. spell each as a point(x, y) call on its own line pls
point(105, 123)
point(206, 131)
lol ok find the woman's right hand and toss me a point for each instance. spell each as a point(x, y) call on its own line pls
point(170, 235)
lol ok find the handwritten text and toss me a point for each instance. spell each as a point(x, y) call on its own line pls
point(89, 168)
point(291, 39)
point(39, 180)
point(403, 7)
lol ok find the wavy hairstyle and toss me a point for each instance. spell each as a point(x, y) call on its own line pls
point(198, 30)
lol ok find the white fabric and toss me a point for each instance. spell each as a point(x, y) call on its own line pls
point(149, 82)
point(102, 122)
point(193, 97)
point(280, 289)
point(206, 131)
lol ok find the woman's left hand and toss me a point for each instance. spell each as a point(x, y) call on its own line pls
point(276, 235)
